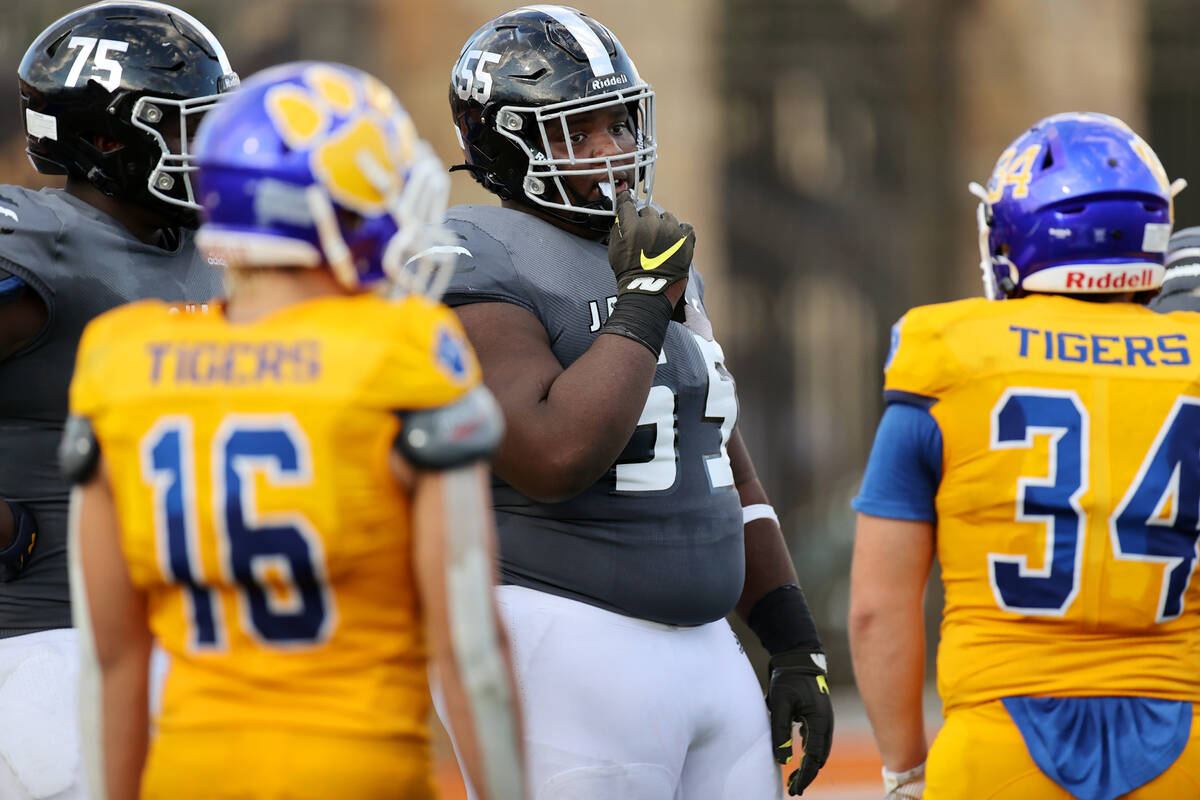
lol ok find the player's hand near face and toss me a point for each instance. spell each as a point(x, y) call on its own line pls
point(647, 249)
point(650, 253)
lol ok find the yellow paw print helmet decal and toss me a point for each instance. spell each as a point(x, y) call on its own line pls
point(354, 130)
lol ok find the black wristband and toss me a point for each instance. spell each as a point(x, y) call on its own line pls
point(781, 620)
point(641, 317)
point(14, 557)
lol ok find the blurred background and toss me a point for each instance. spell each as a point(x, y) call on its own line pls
point(822, 148)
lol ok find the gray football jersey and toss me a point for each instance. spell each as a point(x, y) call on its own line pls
point(659, 537)
point(1180, 291)
point(1181, 284)
point(81, 262)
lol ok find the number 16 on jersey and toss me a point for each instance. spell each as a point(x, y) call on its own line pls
point(275, 561)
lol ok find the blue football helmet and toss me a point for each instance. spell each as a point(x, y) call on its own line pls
point(318, 165)
point(1078, 204)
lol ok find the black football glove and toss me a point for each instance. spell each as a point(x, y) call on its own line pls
point(799, 692)
point(15, 556)
point(648, 251)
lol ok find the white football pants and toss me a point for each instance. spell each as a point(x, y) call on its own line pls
point(617, 708)
point(39, 730)
point(40, 749)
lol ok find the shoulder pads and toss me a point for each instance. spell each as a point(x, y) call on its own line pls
point(29, 231)
point(450, 436)
point(485, 270)
point(78, 452)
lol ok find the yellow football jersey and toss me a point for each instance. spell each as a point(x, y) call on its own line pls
point(249, 465)
point(1067, 511)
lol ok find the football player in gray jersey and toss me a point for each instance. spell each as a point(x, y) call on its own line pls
point(109, 97)
point(630, 518)
point(1181, 284)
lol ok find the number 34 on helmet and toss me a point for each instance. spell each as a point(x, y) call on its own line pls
point(318, 165)
point(1078, 204)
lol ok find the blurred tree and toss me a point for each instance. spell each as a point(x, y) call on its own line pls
point(1173, 97)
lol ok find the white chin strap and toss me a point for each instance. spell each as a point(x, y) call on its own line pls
point(988, 273)
point(333, 245)
point(417, 210)
point(420, 258)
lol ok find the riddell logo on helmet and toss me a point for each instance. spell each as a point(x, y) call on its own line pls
point(1143, 279)
point(610, 81)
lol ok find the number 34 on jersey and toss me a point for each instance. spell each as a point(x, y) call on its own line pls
point(1155, 521)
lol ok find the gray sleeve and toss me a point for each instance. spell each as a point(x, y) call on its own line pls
point(485, 272)
point(450, 436)
point(1178, 299)
point(695, 315)
point(699, 279)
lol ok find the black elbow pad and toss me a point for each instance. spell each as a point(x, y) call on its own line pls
point(450, 436)
point(78, 452)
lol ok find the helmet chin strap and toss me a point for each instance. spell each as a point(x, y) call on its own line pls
point(419, 258)
point(590, 222)
point(986, 265)
point(337, 254)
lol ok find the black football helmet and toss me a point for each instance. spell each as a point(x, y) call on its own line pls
point(535, 67)
point(107, 92)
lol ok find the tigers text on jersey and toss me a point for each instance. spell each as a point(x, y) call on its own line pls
point(249, 466)
point(1067, 512)
point(80, 262)
point(659, 537)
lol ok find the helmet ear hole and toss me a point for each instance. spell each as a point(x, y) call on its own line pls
point(1048, 160)
point(349, 221)
point(52, 48)
point(100, 142)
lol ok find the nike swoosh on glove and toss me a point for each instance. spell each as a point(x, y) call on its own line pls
point(799, 692)
point(647, 250)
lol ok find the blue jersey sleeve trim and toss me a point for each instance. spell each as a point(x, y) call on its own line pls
point(1102, 747)
point(908, 398)
point(11, 285)
point(905, 467)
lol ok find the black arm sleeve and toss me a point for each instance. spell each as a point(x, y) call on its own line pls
point(782, 621)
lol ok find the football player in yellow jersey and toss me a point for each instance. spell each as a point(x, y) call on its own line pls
point(287, 490)
point(1047, 450)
